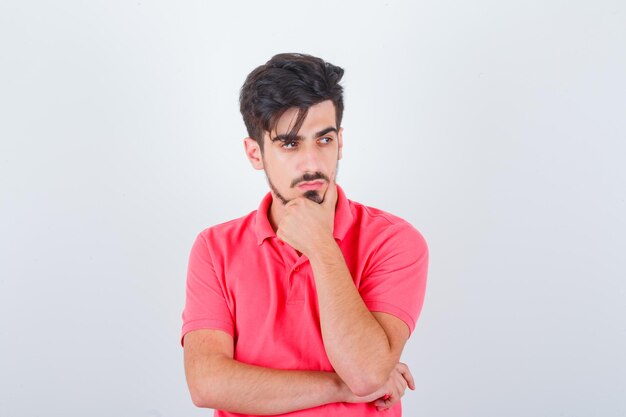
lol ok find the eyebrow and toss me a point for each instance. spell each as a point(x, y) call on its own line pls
point(284, 136)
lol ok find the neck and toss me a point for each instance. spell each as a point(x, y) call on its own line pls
point(275, 213)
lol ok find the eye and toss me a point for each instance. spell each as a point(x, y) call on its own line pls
point(285, 145)
point(328, 139)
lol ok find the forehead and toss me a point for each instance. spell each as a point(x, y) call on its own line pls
point(319, 116)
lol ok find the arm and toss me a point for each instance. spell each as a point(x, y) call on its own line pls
point(362, 346)
point(218, 381)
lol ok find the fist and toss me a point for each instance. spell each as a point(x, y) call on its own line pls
point(306, 225)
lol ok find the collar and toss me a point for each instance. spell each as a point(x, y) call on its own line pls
point(343, 217)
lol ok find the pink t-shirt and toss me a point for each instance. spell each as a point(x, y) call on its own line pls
point(245, 282)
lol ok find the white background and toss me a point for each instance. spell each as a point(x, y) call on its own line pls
point(497, 128)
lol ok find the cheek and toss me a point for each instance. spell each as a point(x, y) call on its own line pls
point(331, 161)
point(280, 173)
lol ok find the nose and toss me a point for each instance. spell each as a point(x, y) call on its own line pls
point(310, 159)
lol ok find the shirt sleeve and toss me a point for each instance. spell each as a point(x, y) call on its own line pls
point(205, 304)
point(395, 280)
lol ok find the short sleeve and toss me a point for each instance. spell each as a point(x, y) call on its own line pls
point(205, 304)
point(395, 280)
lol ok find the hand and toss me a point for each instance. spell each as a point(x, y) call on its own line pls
point(307, 225)
point(391, 392)
point(395, 387)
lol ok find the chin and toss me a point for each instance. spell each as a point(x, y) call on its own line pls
point(313, 195)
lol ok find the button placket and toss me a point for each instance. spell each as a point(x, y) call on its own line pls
point(297, 280)
point(285, 252)
point(293, 274)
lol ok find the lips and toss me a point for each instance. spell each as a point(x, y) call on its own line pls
point(310, 185)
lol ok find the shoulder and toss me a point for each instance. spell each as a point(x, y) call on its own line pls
point(230, 232)
point(382, 226)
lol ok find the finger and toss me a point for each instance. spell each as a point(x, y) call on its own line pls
point(383, 398)
point(406, 373)
point(386, 401)
point(294, 202)
point(386, 404)
point(330, 198)
point(401, 387)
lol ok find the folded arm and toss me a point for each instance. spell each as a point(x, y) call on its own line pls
point(218, 381)
point(362, 346)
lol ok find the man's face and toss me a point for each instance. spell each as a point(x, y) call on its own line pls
point(305, 166)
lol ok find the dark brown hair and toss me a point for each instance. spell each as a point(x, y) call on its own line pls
point(285, 81)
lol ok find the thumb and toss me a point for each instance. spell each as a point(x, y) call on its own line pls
point(330, 198)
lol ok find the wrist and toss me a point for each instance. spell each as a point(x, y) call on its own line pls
point(325, 252)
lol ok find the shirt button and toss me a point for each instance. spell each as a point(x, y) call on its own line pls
point(296, 269)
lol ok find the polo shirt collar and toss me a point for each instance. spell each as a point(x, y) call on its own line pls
point(343, 217)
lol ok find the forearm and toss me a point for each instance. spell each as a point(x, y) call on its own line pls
point(230, 385)
point(356, 344)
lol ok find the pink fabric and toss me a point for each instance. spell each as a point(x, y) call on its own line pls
point(242, 281)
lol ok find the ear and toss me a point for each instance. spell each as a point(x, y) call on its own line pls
point(339, 142)
point(253, 152)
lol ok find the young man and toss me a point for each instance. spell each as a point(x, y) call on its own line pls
point(304, 305)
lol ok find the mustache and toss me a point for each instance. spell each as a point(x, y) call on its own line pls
point(310, 177)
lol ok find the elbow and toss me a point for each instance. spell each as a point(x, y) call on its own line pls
point(364, 390)
point(202, 401)
point(201, 397)
point(366, 384)
point(204, 384)
point(198, 402)
point(198, 398)
point(368, 378)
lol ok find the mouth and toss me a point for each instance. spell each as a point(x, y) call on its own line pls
point(310, 185)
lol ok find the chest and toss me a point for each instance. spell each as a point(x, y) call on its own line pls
point(274, 285)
